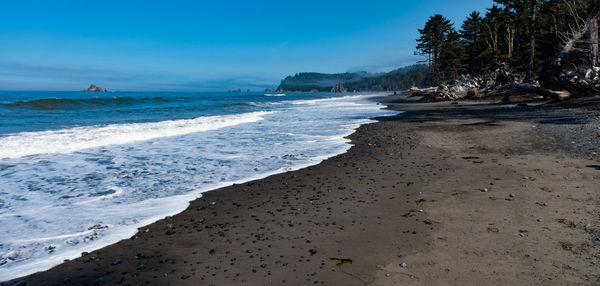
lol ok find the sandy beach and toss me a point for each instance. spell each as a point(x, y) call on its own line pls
point(463, 193)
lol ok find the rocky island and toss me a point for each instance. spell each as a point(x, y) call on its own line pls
point(95, 88)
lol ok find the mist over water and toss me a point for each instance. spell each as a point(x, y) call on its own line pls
point(79, 171)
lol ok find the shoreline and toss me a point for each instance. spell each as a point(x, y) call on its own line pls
point(182, 202)
point(397, 178)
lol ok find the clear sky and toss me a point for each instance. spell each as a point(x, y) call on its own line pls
point(206, 45)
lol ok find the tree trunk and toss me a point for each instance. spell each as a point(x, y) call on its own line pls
point(575, 36)
point(510, 40)
point(532, 40)
point(550, 77)
point(593, 30)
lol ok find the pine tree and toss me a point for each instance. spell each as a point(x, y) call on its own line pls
point(452, 56)
point(432, 38)
point(471, 39)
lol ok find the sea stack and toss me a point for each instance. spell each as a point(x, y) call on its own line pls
point(339, 88)
point(95, 88)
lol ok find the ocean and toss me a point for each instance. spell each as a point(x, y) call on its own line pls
point(79, 170)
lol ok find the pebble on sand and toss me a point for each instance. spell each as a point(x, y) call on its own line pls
point(403, 265)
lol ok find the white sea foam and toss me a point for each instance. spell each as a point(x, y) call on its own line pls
point(61, 204)
point(80, 138)
point(348, 99)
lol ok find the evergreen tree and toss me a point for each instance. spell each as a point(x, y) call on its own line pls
point(452, 56)
point(515, 37)
point(470, 32)
point(433, 37)
point(471, 39)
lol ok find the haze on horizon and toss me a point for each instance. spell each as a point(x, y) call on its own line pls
point(205, 45)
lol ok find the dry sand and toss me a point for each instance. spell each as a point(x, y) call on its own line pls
point(444, 194)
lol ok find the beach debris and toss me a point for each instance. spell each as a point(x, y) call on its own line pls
point(387, 275)
point(142, 256)
point(312, 251)
point(485, 190)
point(410, 213)
point(211, 252)
point(521, 234)
point(99, 281)
point(427, 221)
point(539, 220)
point(511, 195)
point(568, 223)
point(117, 261)
point(340, 261)
point(212, 203)
point(403, 264)
point(470, 158)
point(525, 178)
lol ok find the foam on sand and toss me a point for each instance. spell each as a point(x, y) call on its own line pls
point(59, 204)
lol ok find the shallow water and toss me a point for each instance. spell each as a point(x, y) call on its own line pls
point(79, 171)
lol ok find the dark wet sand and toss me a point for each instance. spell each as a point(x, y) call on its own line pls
point(462, 194)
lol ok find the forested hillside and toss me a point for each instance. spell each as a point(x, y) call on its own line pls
point(403, 78)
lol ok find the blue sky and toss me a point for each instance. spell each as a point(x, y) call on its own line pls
point(205, 45)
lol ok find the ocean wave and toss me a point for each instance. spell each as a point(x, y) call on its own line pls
point(70, 103)
point(80, 138)
point(348, 99)
point(84, 200)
